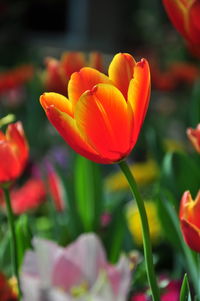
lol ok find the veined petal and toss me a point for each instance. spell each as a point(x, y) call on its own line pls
point(72, 62)
point(15, 134)
point(138, 95)
point(58, 101)
point(121, 71)
point(191, 235)
point(84, 80)
point(103, 118)
point(67, 128)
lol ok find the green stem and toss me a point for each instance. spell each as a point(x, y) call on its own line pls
point(145, 231)
point(14, 253)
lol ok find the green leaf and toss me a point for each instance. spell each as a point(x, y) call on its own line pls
point(180, 173)
point(24, 237)
point(195, 105)
point(88, 192)
point(5, 254)
point(185, 290)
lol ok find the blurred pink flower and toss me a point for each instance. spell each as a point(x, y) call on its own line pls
point(78, 272)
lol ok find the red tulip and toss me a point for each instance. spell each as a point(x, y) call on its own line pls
point(6, 292)
point(13, 153)
point(190, 222)
point(26, 198)
point(194, 136)
point(56, 189)
point(184, 15)
point(58, 72)
point(103, 116)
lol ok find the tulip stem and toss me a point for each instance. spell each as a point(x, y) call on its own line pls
point(14, 252)
point(145, 231)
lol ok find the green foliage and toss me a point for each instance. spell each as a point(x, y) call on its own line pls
point(185, 294)
point(88, 193)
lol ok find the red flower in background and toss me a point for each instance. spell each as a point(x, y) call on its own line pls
point(58, 72)
point(194, 136)
point(55, 188)
point(103, 116)
point(14, 153)
point(6, 293)
point(170, 291)
point(177, 73)
point(184, 15)
point(15, 77)
point(190, 222)
point(28, 197)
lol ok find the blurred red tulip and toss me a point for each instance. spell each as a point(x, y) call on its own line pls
point(6, 293)
point(26, 198)
point(58, 73)
point(177, 73)
point(184, 15)
point(15, 77)
point(194, 136)
point(56, 189)
point(14, 153)
point(189, 218)
point(103, 116)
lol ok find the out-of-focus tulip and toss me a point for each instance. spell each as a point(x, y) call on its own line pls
point(55, 188)
point(77, 272)
point(14, 153)
point(6, 292)
point(144, 172)
point(189, 218)
point(58, 72)
point(28, 197)
point(194, 136)
point(170, 291)
point(184, 15)
point(15, 78)
point(178, 73)
point(103, 116)
point(134, 222)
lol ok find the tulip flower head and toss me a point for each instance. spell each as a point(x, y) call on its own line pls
point(103, 115)
point(75, 273)
point(189, 218)
point(194, 136)
point(13, 153)
point(184, 15)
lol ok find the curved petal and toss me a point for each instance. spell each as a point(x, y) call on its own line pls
point(84, 80)
point(103, 118)
point(191, 235)
point(194, 21)
point(138, 95)
point(58, 100)
point(67, 128)
point(177, 12)
point(121, 71)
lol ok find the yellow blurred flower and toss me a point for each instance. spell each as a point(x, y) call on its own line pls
point(144, 173)
point(171, 145)
point(13, 285)
point(134, 224)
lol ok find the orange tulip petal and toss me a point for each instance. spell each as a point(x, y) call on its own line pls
point(177, 12)
point(191, 235)
point(58, 100)
point(10, 165)
point(67, 128)
point(138, 95)
point(121, 71)
point(103, 118)
point(84, 80)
